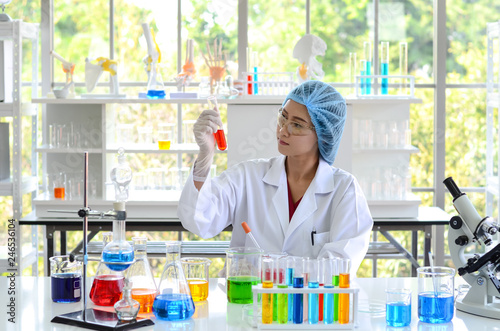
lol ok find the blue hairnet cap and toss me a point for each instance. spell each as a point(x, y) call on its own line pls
point(327, 109)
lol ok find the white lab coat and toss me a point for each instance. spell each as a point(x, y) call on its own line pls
point(256, 192)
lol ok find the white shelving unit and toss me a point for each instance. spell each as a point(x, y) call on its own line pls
point(492, 107)
point(12, 35)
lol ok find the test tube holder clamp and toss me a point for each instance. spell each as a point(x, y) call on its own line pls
point(353, 299)
point(90, 318)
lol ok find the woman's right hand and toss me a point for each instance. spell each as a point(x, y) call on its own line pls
point(205, 126)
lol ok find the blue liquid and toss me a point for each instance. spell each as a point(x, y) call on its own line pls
point(289, 282)
point(255, 85)
point(432, 309)
point(156, 94)
point(368, 81)
point(298, 305)
point(313, 312)
point(328, 307)
point(66, 287)
point(289, 276)
point(362, 83)
point(127, 256)
point(384, 70)
point(173, 307)
point(398, 314)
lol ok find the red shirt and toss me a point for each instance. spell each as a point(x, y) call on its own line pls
point(291, 206)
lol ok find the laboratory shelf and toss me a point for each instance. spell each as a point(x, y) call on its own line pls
point(28, 184)
point(153, 149)
point(74, 150)
point(7, 109)
point(402, 208)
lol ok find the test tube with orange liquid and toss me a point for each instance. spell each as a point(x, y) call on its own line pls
point(344, 282)
point(219, 136)
point(267, 282)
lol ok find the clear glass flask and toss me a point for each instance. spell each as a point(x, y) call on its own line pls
point(127, 308)
point(108, 284)
point(156, 89)
point(174, 303)
point(121, 176)
point(140, 275)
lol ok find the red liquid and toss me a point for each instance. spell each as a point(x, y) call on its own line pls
point(250, 85)
point(106, 289)
point(321, 305)
point(220, 138)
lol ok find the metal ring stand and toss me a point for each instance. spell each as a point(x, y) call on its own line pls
point(95, 319)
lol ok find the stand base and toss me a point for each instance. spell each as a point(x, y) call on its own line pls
point(100, 320)
point(491, 310)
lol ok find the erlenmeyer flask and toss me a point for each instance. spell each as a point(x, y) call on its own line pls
point(108, 284)
point(174, 301)
point(140, 275)
point(156, 90)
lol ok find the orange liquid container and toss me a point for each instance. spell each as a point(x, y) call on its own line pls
point(220, 138)
point(199, 289)
point(146, 297)
point(344, 300)
point(267, 304)
point(59, 192)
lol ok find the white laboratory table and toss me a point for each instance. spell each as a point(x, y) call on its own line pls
point(35, 309)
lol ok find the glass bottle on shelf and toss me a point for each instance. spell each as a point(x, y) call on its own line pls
point(140, 275)
point(127, 308)
point(174, 303)
point(156, 89)
point(108, 284)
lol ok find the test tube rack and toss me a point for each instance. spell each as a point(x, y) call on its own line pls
point(403, 85)
point(268, 83)
point(353, 308)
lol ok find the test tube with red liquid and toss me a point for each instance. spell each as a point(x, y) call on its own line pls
point(219, 136)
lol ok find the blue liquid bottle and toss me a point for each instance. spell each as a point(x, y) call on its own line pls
point(175, 302)
point(66, 287)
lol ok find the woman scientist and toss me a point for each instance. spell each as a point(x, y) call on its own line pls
point(297, 202)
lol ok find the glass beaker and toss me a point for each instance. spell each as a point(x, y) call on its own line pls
point(398, 307)
point(108, 284)
point(143, 287)
point(243, 269)
point(65, 279)
point(156, 89)
point(435, 294)
point(196, 272)
point(174, 302)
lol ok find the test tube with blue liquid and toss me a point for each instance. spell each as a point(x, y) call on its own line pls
point(384, 65)
point(290, 270)
point(255, 75)
point(282, 298)
point(313, 300)
point(267, 282)
point(328, 302)
point(298, 299)
point(368, 66)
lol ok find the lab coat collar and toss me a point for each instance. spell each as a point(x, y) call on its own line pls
point(323, 182)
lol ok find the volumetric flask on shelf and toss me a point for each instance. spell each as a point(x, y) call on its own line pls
point(156, 89)
point(108, 284)
point(143, 287)
point(174, 302)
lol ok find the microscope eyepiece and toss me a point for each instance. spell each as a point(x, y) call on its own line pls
point(452, 187)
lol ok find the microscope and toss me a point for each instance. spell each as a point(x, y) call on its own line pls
point(480, 271)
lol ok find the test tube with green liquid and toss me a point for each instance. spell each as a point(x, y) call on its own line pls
point(282, 316)
point(336, 295)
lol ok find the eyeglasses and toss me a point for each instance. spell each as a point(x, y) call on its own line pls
point(294, 128)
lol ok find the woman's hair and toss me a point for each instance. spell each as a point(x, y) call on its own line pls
point(327, 109)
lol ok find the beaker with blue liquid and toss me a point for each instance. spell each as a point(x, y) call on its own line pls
point(436, 301)
point(65, 279)
point(174, 303)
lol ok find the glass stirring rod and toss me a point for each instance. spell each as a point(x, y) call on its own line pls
point(219, 136)
point(247, 231)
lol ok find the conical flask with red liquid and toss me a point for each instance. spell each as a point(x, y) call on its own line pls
point(108, 284)
point(174, 303)
point(140, 275)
